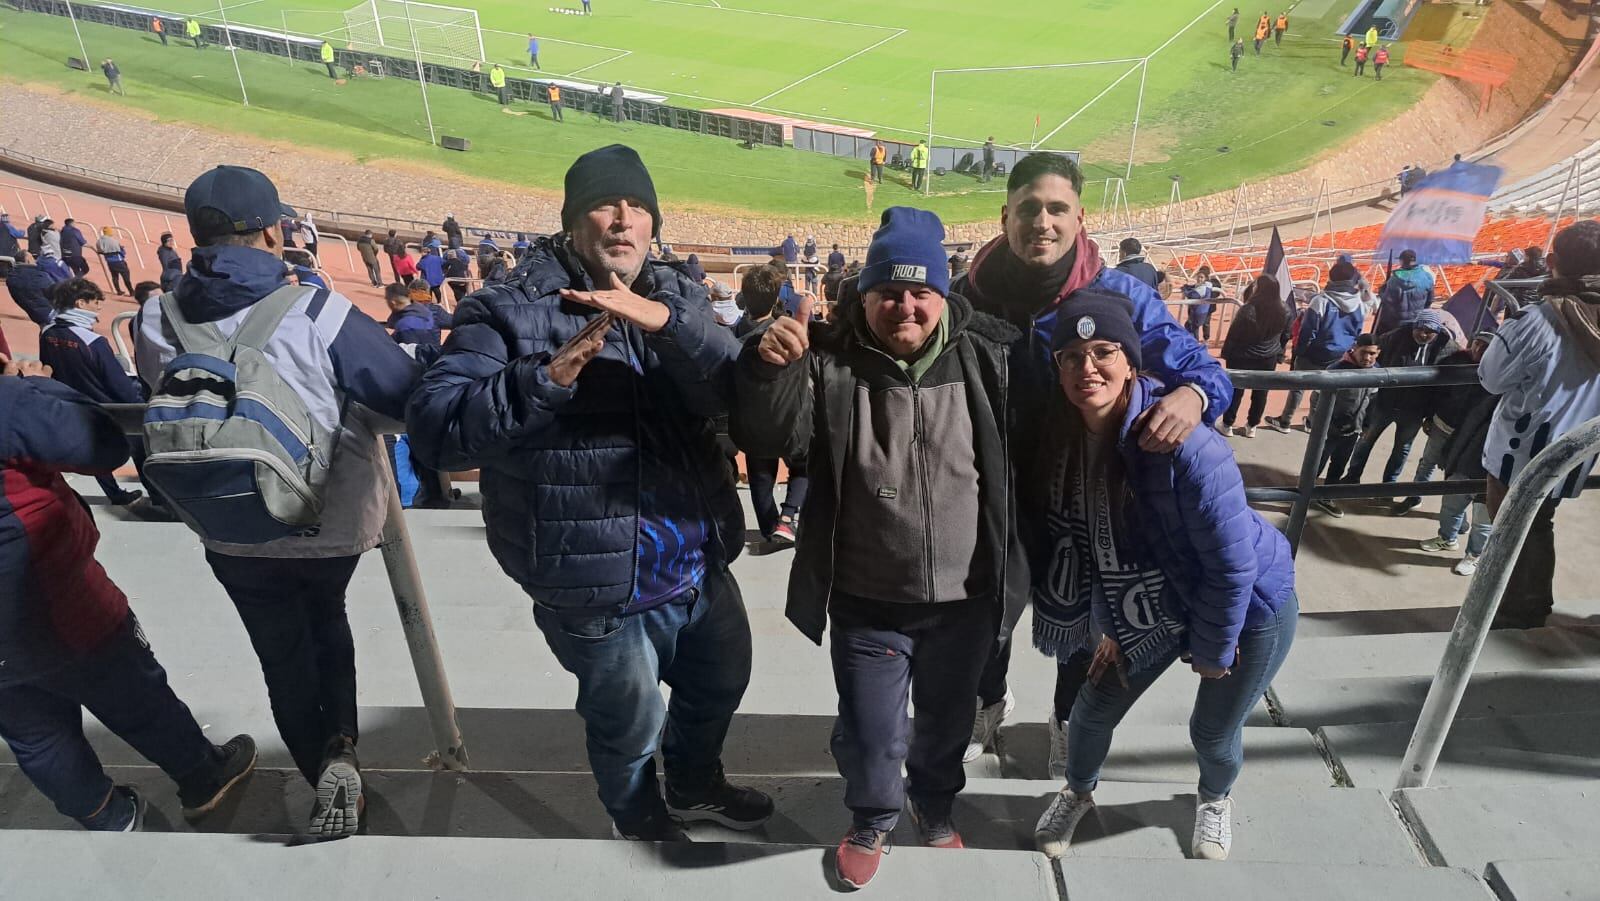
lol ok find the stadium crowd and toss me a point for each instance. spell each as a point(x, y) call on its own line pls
point(601, 387)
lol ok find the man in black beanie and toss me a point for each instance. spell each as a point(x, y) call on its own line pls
point(585, 386)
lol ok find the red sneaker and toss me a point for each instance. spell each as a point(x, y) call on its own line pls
point(859, 853)
point(783, 535)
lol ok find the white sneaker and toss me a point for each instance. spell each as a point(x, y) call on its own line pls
point(1467, 566)
point(1249, 431)
point(1053, 834)
point(986, 726)
point(1223, 430)
point(1438, 545)
point(1058, 748)
point(1213, 830)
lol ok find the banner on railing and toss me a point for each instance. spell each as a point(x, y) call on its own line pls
point(1439, 217)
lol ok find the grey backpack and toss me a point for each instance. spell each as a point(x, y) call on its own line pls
point(233, 449)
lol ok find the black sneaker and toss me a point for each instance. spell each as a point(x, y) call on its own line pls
point(1405, 506)
point(658, 828)
point(1328, 507)
point(719, 802)
point(337, 812)
point(937, 829)
point(124, 812)
point(202, 792)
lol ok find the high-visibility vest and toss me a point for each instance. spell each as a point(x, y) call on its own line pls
point(1372, 37)
point(156, 26)
point(879, 154)
point(327, 52)
point(191, 28)
point(555, 94)
point(919, 157)
point(1283, 23)
point(497, 77)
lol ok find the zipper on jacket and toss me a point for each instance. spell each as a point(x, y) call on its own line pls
point(920, 461)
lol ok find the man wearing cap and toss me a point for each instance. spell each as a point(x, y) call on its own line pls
point(1030, 274)
point(1406, 291)
point(1423, 342)
point(290, 593)
point(585, 387)
point(909, 543)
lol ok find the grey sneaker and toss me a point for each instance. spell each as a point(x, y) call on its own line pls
point(986, 726)
point(1058, 748)
point(1213, 830)
point(1053, 833)
point(1467, 566)
point(337, 813)
point(1278, 425)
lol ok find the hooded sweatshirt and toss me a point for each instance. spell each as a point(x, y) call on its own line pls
point(1544, 362)
point(1406, 293)
point(1331, 323)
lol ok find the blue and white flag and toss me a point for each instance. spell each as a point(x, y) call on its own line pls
point(1440, 216)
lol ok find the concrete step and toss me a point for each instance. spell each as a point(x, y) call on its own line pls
point(1544, 880)
point(1496, 750)
point(1472, 826)
point(70, 866)
point(1417, 654)
point(1310, 703)
point(1114, 880)
point(1152, 821)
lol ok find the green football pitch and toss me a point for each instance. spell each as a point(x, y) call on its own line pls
point(1064, 75)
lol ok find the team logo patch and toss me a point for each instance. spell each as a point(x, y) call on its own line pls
point(905, 272)
point(1086, 327)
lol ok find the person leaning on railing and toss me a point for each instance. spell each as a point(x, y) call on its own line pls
point(1545, 365)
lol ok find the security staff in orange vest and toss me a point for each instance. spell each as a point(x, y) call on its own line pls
point(1282, 26)
point(1263, 27)
point(554, 92)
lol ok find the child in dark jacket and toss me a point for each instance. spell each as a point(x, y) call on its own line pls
point(83, 359)
point(67, 637)
point(1349, 417)
point(1156, 557)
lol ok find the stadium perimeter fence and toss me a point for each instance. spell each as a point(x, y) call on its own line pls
point(948, 159)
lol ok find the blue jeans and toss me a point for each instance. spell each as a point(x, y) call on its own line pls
point(1221, 707)
point(699, 644)
point(1406, 425)
point(123, 685)
point(1453, 521)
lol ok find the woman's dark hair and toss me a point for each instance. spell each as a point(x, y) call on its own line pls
point(1266, 296)
point(66, 295)
point(1064, 438)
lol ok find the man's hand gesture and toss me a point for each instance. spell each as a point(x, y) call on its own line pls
point(786, 340)
point(577, 352)
point(620, 301)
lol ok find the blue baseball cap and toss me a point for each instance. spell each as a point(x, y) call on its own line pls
point(240, 200)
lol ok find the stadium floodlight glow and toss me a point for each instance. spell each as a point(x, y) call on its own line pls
point(448, 31)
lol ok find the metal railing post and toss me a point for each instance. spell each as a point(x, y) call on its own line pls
point(1321, 418)
point(1528, 493)
point(412, 603)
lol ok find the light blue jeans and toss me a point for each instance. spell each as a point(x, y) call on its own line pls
point(1453, 521)
point(1221, 707)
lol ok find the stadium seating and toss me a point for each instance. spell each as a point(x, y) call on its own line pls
point(1552, 191)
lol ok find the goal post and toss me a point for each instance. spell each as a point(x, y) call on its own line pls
point(449, 31)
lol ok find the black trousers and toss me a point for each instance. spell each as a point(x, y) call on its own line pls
point(555, 111)
point(1344, 55)
point(293, 610)
point(877, 172)
point(1258, 397)
point(1530, 592)
point(78, 265)
point(881, 654)
point(505, 97)
point(1336, 456)
point(120, 275)
point(331, 74)
point(763, 482)
point(163, 36)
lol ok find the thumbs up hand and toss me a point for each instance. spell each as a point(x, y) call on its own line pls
point(787, 339)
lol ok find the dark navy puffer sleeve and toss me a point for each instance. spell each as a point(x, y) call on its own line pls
point(694, 351)
point(474, 402)
point(46, 423)
point(1210, 495)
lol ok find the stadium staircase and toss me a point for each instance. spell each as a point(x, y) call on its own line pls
point(1514, 810)
point(1568, 186)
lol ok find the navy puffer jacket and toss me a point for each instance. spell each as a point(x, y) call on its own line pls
point(561, 466)
point(1229, 567)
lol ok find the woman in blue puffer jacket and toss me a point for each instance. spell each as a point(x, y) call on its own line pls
point(1152, 558)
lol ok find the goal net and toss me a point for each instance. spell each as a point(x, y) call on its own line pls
point(447, 31)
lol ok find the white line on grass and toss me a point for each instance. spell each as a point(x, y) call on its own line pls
point(841, 62)
point(1050, 134)
point(758, 12)
point(601, 63)
point(1191, 24)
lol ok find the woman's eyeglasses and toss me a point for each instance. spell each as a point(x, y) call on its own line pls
point(1075, 359)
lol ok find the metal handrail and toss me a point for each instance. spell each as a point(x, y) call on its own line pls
point(405, 580)
point(1512, 521)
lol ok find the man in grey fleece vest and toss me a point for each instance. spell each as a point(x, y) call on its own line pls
point(907, 541)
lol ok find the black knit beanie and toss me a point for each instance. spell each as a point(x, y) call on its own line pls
point(606, 174)
point(1087, 315)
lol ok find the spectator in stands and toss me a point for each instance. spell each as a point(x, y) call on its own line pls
point(72, 244)
point(1345, 46)
point(1381, 59)
point(430, 239)
point(520, 246)
point(1255, 341)
point(9, 235)
point(491, 266)
point(879, 156)
point(431, 266)
point(457, 270)
point(788, 250)
point(1328, 328)
point(84, 361)
point(290, 593)
point(1040, 267)
point(759, 289)
point(113, 74)
point(835, 259)
point(451, 229)
point(1443, 410)
point(694, 267)
point(396, 249)
point(810, 267)
point(30, 286)
point(191, 30)
point(1459, 428)
point(1362, 53)
point(171, 262)
point(1545, 365)
point(35, 234)
point(368, 248)
point(1197, 321)
point(1228, 607)
point(1423, 343)
point(289, 227)
point(1131, 259)
point(70, 642)
point(1528, 263)
point(636, 588)
point(313, 238)
point(913, 608)
point(1405, 292)
point(725, 307)
point(50, 255)
point(1349, 413)
point(410, 322)
point(116, 260)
